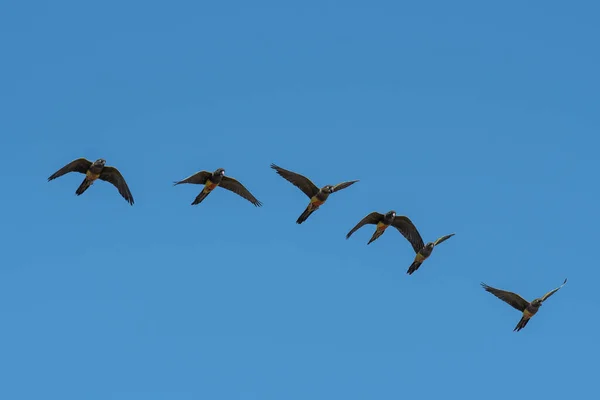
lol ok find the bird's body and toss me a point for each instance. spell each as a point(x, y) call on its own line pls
point(528, 309)
point(421, 256)
point(528, 312)
point(423, 251)
point(94, 171)
point(315, 202)
point(91, 175)
point(381, 226)
point(210, 185)
point(211, 180)
point(319, 199)
point(379, 230)
point(317, 196)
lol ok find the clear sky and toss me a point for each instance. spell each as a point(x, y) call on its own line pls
point(469, 117)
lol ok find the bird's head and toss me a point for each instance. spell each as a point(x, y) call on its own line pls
point(429, 246)
point(327, 189)
point(100, 162)
point(220, 171)
point(537, 303)
point(391, 214)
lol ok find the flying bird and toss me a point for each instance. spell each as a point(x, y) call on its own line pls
point(211, 180)
point(93, 171)
point(317, 196)
point(382, 222)
point(410, 232)
point(528, 309)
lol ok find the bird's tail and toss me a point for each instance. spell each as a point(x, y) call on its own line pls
point(201, 197)
point(83, 187)
point(376, 234)
point(309, 210)
point(521, 324)
point(414, 266)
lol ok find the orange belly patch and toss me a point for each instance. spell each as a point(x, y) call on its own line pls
point(91, 176)
point(209, 186)
point(419, 257)
point(381, 226)
point(316, 203)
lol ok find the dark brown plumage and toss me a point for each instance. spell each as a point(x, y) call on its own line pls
point(528, 309)
point(383, 221)
point(317, 196)
point(94, 171)
point(218, 178)
point(423, 250)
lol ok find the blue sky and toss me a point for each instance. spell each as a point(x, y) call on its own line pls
point(478, 119)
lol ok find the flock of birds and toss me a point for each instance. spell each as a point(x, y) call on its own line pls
point(318, 196)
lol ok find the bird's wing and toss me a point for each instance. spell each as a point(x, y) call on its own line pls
point(550, 293)
point(80, 165)
point(301, 182)
point(239, 189)
point(443, 239)
point(343, 185)
point(509, 297)
point(372, 218)
point(409, 231)
point(112, 175)
point(199, 178)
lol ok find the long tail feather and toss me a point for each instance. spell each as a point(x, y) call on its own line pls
point(83, 187)
point(200, 197)
point(375, 236)
point(521, 324)
point(305, 214)
point(413, 267)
